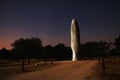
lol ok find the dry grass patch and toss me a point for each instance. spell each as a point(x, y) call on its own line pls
point(112, 70)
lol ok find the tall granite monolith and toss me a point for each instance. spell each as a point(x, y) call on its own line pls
point(75, 39)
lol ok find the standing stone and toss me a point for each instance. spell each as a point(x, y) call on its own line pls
point(75, 39)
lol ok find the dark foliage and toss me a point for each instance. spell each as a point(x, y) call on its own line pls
point(5, 54)
point(27, 48)
point(32, 48)
point(93, 49)
point(117, 45)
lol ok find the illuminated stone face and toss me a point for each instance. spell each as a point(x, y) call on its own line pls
point(75, 39)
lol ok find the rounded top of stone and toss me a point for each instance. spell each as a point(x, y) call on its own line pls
point(74, 21)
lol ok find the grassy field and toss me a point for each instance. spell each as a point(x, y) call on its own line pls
point(112, 65)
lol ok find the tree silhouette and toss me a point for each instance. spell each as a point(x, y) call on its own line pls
point(62, 52)
point(49, 53)
point(5, 54)
point(35, 48)
point(94, 49)
point(19, 47)
point(27, 48)
point(58, 52)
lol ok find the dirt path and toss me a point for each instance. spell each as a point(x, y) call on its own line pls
point(79, 70)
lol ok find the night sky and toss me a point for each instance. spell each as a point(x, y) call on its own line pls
point(50, 20)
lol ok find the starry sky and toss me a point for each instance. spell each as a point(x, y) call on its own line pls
point(50, 20)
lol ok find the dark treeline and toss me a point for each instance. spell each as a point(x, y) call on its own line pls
point(32, 48)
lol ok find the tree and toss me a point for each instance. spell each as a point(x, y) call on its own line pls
point(91, 48)
point(61, 52)
point(27, 48)
point(5, 54)
point(49, 53)
point(35, 48)
point(19, 48)
point(94, 49)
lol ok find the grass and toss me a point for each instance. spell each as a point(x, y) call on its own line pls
point(112, 70)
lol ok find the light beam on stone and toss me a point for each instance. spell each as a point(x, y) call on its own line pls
point(75, 39)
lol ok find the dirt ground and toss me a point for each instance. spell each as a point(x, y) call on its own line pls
point(62, 70)
point(67, 70)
